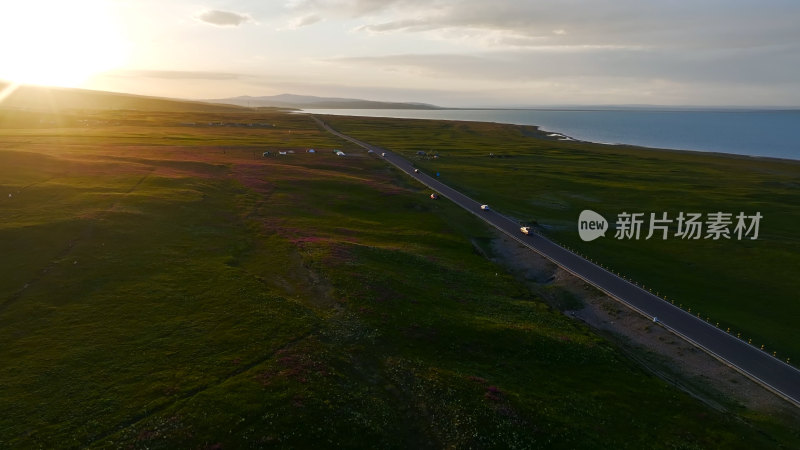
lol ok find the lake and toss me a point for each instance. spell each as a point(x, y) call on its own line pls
point(772, 133)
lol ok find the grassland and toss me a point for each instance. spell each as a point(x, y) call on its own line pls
point(745, 285)
point(55, 100)
point(164, 286)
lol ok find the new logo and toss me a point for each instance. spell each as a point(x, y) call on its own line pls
point(591, 225)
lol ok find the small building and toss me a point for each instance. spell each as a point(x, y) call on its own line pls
point(265, 154)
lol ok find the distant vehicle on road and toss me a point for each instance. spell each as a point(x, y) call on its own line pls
point(383, 154)
point(416, 170)
point(435, 196)
point(525, 230)
point(485, 207)
point(370, 151)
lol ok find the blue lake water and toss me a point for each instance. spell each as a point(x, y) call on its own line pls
point(773, 133)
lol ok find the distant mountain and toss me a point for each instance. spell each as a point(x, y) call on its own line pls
point(311, 102)
point(43, 98)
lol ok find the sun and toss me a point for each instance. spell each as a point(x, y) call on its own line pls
point(57, 42)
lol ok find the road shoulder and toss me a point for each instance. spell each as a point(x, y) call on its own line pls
point(654, 348)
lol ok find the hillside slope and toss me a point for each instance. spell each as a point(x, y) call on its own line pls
point(43, 98)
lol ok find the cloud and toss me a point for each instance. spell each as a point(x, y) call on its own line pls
point(712, 23)
point(355, 9)
point(620, 47)
point(223, 18)
point(174, 74)
point(740, 66)
point(304, 21)
point(570, 49)
point(398, 25)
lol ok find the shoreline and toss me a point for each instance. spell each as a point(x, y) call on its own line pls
point(567, 137)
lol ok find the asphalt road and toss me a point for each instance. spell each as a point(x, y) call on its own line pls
point(760, 366)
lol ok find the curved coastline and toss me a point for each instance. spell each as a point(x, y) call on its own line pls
point(786, 153)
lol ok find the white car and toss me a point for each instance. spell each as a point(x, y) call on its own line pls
point(383, 154)
point(416, 170)
point(525, 230)
point(485, 207)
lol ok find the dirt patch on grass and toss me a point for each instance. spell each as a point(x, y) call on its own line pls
point(656, 349)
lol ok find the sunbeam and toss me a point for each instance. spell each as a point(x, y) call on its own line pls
point(68, 43)
point(7, 90)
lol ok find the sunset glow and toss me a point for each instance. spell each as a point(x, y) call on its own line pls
point(59, 43)
point(449, 52)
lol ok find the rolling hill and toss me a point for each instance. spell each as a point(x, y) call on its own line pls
point(307, 101)
point(41, 98)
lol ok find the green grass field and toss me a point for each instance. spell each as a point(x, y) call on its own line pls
point(746, 285)
point(165, 286)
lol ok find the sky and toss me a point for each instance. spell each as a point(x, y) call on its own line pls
point(448, 52)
